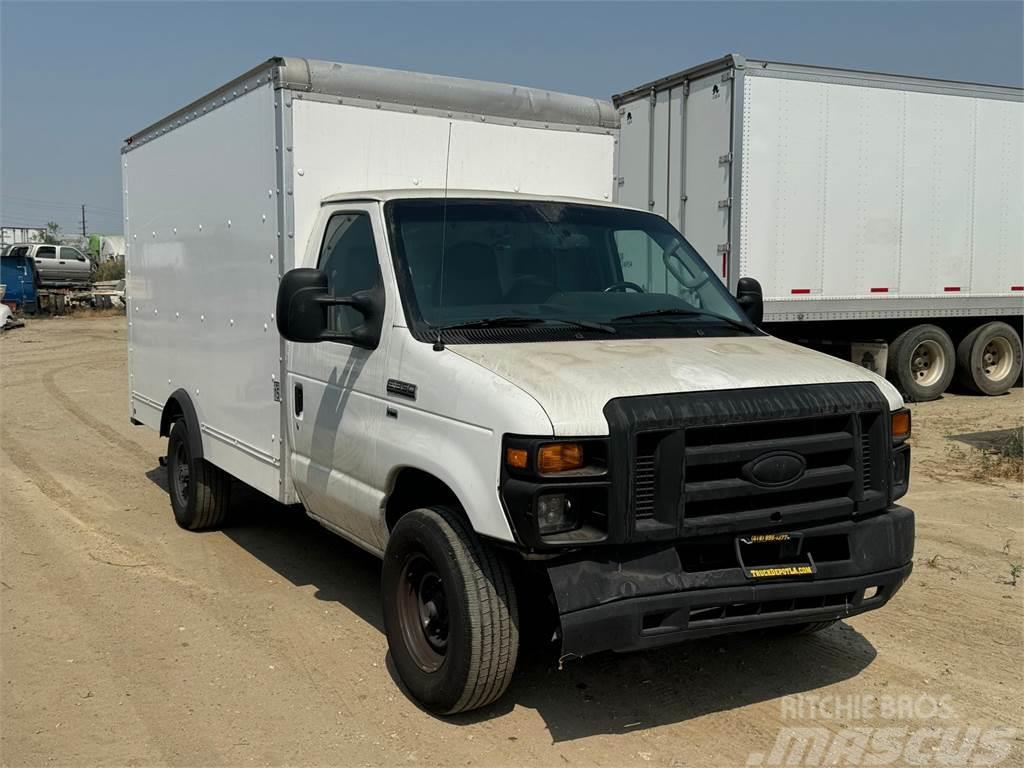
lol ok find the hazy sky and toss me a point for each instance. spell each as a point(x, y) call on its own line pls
point(77, 78)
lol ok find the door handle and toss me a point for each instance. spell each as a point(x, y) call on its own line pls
point(297, 400)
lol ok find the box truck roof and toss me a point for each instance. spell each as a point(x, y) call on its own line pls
point(830, 74)
point(400, 90)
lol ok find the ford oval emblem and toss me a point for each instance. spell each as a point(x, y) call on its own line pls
point(775, 469)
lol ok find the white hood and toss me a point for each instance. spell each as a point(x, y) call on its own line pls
point(572, 380)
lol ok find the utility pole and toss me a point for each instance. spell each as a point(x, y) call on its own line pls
point(83, 219)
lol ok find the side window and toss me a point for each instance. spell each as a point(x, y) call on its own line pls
point(71, 253)
point(46, 252)
point(21, 250)
point(349, 257)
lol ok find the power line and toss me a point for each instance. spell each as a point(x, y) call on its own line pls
point(37, 201)
point(41, 210)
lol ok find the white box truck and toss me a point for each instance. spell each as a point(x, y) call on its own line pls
point(400, 300)
point(883, 215)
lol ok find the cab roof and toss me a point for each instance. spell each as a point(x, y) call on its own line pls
point(418, 193)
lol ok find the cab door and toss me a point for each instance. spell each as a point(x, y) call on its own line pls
point(336, 391)
point(75, 267)
point(46, 264)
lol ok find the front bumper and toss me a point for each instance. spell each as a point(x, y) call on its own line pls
point(657, 597)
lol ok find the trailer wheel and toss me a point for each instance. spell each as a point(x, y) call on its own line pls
point(989, 359)
point(921, 362)
point(450, 612)
point(200, 492)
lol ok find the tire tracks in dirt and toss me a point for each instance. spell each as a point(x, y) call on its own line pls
point(107, 547)
point(103, 430)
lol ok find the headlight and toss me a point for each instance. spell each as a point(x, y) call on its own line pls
point(555, 514)
point(559, 457)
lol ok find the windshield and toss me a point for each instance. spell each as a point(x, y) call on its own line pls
point(586, 268)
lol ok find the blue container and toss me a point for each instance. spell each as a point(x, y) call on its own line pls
point(18, 274)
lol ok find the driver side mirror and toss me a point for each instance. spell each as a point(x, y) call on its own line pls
point(750, 299)
point(303, 299)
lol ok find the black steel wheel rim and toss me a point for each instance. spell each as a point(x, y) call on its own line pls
point(180, 476)
point(423, 612)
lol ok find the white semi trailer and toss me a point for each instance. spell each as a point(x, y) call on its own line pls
point(883, 215)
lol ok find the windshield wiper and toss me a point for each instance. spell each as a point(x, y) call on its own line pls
point(681, 312)
point(517, 321)
point(503, 321)
point(590, 325)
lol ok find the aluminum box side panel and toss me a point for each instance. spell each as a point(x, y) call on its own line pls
point(998, 214)
point(633, 186)
point(707, 181)
point(861, 201)
point(671, 163)
point(202, 275)
point(341, 149)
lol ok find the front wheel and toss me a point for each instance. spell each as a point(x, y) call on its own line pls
point(450, 612)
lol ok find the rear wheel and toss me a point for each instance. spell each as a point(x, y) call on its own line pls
point(200, 492)
point(921, 362)
point(989, 359)
point(450, 612)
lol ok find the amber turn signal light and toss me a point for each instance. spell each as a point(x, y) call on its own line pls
point(516, 457)
point(901, 425)
point(559, 457)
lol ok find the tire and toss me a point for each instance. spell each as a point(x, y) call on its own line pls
point(988, 360)
point(450, 612)
point(921, 362)
point(200, 492)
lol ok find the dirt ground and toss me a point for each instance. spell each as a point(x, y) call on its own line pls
point(127, 641)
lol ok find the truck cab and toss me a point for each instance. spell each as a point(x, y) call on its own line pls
point(482, 396)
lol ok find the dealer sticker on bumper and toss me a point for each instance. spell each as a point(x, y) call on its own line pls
point(772, 556)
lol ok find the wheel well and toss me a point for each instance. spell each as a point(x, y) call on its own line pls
point(179, 406)
point(172, 412)
point(414, 488)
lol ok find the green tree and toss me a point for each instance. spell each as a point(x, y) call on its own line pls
point(52, 234)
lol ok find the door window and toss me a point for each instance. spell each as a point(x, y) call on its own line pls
point(46, 252)
point(71, 253)
point(349, 257)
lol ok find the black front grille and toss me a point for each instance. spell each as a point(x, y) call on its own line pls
point(716, 482)
point(643, 476)
point(691, 458)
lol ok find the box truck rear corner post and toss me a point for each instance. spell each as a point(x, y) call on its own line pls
point(409, 304)
point(882, 214)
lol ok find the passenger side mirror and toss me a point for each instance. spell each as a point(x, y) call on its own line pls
point(750, 299)
point(303, 299)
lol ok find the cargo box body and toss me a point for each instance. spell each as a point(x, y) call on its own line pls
point(221, 197)
point(849, 195)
